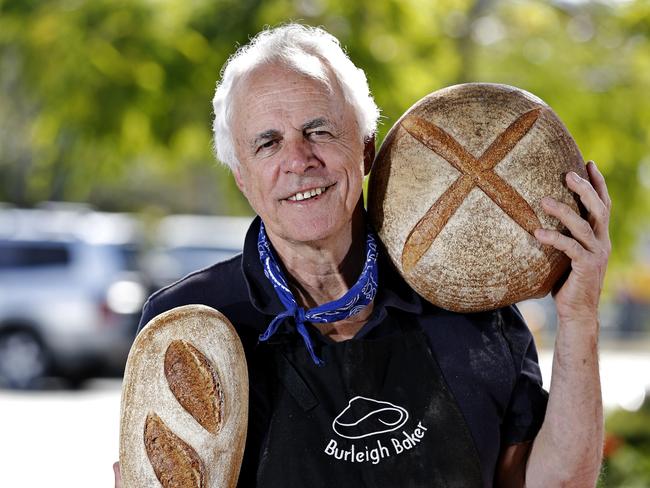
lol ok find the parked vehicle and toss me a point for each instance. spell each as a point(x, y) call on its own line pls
point(186, 243)
point(71, 294)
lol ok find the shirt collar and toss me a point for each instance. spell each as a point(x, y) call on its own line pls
point(260, 291)
point(393, 290)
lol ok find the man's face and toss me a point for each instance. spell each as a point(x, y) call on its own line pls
point(295, 137)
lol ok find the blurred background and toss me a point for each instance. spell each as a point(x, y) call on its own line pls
point(109, 189)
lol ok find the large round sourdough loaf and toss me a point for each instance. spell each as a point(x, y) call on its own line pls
point(455, 195)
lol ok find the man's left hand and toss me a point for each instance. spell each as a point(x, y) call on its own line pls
point(588, 247)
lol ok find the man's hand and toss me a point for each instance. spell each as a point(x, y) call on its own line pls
point(588, 247)
point(568, 448)
point(118, 475)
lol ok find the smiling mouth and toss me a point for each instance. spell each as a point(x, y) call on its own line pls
point(308, 194)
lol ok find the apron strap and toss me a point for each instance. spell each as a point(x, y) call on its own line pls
point(294, 383)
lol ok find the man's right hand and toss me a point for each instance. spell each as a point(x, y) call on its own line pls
point(118, 474)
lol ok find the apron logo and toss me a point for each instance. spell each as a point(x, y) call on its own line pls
point(364, 417)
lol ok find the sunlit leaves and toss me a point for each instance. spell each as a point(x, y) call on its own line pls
point(109, 101)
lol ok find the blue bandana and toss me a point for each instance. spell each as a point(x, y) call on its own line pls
point(356, 299)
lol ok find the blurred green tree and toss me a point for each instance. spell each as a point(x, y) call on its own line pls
point(108, 102)
point(627, 449)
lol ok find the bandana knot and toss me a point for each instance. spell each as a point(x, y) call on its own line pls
point(358, 297)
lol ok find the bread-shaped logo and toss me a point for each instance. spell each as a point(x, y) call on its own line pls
point(365, 417)
point(455, 195)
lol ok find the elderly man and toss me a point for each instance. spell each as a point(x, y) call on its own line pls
point(354, 379)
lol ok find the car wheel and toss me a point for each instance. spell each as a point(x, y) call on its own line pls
point(23, 359)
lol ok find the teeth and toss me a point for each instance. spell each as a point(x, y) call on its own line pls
point(308, 194)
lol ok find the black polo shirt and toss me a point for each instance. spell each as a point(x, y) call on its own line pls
point(488, 359)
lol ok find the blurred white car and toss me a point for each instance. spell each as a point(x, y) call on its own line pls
point(185, 243)
point(70, 294)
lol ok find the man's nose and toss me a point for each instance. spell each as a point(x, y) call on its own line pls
point(299, 156)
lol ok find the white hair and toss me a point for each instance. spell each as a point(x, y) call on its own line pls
point(307, 50)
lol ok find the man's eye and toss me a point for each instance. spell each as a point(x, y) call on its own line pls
point(319, 134)
point(267, 144)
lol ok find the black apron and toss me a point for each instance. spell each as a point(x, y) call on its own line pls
point(378, 414)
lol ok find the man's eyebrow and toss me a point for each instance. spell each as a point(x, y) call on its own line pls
point(314, 123)
point(274, 133)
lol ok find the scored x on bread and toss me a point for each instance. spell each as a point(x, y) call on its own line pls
point(455, 195)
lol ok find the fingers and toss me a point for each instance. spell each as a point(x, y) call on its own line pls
point(568, 246)
point(598, 182)
point(598, 211)
point(588, 195)
point(118, 476)
point(591, 235)
point(580, 229)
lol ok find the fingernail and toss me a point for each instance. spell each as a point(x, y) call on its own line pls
point(540, 233)
point(574, 176)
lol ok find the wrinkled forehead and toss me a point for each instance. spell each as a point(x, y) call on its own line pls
point(303, 65)
point(275, 87)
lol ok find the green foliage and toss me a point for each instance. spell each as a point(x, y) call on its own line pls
point(108, 102)
point(628, 463)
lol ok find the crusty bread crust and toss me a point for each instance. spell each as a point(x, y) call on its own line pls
point(455, 195)
point(217, 374)
point(173, 460)
point(195, 384)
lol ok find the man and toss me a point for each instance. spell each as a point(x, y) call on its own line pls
point(354, 379)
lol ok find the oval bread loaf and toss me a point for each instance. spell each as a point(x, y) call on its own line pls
point(184, 409)
point(455, 195)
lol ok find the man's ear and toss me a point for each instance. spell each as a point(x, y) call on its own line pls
point(368, 154)
point(241, 181)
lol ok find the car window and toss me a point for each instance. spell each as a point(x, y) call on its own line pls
point(130, 257)
point(191, 258)
point(33, 254)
